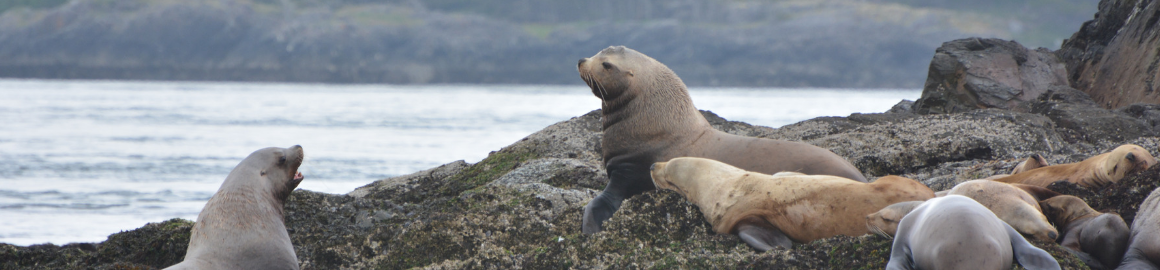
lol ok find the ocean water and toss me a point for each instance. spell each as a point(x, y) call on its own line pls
point(80, 160)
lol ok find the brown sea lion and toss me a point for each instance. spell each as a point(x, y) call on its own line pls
point(1093, 172)
point(1098, 238)
point(1032, 162)
point(773, 210)
point(1011, 204)
point(241, 225)
point(956, 232)
point(885, 221)
point(1144, 243)
point(649, 117)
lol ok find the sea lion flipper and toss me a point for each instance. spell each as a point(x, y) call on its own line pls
point(762, 238)
point(1087, 259)
point(625, 179)
point(597, 211)
point(900, 256)
point(1029, 256)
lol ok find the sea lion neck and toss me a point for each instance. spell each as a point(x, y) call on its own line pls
point(657, 105)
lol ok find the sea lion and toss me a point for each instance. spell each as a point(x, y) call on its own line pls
point(1011, 204)
point(648, 117)
point(773, 210)
point(1100, 239)
point(1144, 243)
point(1093, 172)
point(241, 225)
point(956, 232)
point(885, 221)
point(1031, 163)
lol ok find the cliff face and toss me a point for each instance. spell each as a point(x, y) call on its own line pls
point(1114, 57)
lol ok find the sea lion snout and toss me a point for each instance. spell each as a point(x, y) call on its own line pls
point(581, 63)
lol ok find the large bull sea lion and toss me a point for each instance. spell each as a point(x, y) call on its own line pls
point(648, 117)
point(776, 210)
point(241, 227)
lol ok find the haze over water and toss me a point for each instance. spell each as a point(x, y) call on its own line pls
point(80, 160)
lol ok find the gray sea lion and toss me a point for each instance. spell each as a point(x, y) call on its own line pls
point(776, 210)
point(956, 232)
point(1100, 239)
point(649, 117)
point(1011, 204)
point(1144, 243)
point(1093, 172)
point(241, 225)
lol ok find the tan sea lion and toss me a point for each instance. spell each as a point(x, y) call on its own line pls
point(773, 210)
point(1011, 204)
point(1100, 239)
point(885, 221)
point(956, 232)
point(1093, 172)
point(649, 117)
point(1144, 243)
point(241, 227)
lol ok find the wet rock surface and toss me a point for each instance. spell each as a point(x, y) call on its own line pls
point(521, 207)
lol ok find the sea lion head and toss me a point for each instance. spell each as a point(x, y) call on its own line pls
point(1126, 159)
point(1064, 209)
point(885, 221)
point(682, 174)
point(616, 70)
point(1031, 163)
point(276, 168)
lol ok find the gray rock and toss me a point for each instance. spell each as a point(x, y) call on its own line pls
point(977, 73)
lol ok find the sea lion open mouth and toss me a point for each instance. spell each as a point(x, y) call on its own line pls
point(298, 176)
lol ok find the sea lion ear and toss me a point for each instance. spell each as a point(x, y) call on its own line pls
point(630, 73)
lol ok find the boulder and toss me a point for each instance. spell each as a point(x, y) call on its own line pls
point(977, 73)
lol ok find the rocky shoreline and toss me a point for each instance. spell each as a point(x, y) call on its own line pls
point(521, 206)
point(987, 105)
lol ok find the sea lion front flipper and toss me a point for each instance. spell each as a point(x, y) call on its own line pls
point(900, 256)
point(625, 180)
point(1090, 261)
point(1027, 255)
point(597, 211)
point(762, 238)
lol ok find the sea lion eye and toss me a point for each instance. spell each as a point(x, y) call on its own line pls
point(281, 160)
point(607, 65)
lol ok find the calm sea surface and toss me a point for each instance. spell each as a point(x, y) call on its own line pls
point(80, 160)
